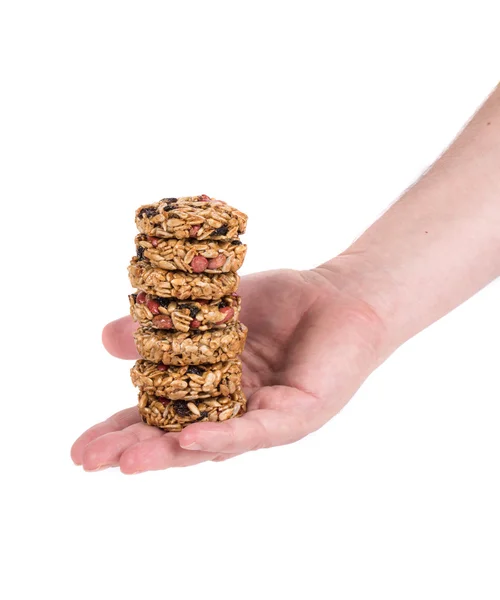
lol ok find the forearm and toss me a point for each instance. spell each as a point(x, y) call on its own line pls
point(440, 243)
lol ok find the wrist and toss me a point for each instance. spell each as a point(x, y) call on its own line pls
point(359, 276)
point(438, 244)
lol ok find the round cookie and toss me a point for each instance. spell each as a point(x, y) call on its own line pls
point(192, 256)
point(178, 284)
point(191, 348)
point(189, 382)
point(183, 315)
point(177, 414)
point(199, 217)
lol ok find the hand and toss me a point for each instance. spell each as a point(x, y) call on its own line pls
point(310, 346)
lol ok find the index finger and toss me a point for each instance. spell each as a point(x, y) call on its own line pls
point(117, 422)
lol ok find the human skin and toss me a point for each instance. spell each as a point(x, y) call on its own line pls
point(315, 336)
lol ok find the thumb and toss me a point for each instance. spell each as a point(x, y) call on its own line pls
point(118, 340)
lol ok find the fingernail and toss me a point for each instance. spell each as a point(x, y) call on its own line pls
point(98, 468)
point(192, 446)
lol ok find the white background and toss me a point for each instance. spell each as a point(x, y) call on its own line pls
point(298, 113)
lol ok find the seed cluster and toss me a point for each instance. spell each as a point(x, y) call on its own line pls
point(187, 254)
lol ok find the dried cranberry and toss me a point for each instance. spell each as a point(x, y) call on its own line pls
point(147, 212)
point(181, 408)
point(141, 298)
point(153, 240)
point(193, 310)
point(195, 324)
point(219, 231)
point(194, 370)
point(164, 401)
point(164, 301)
point(161, 367)
point(205, 198)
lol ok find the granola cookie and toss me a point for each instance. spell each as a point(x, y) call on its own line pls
point(178, 284)
point(199, 217)
point(191, 348)
point(177, 414)
point(183, 315)
point(192, 256)
point(189, 382)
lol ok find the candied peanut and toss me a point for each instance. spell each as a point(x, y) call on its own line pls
point(194, 230)
point(153, 306)
point(216, 263)
point(228, 313)
point(199, 263)
point(162, 322)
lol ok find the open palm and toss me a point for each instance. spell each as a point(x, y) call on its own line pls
point(310, 346)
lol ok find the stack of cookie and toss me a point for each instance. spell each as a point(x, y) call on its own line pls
point(188, 252)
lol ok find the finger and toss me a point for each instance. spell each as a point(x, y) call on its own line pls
point(118, 421)
point(224, 457)
point(118, 340)
point(160, 453)
point(256, 429)
point(105, 451)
